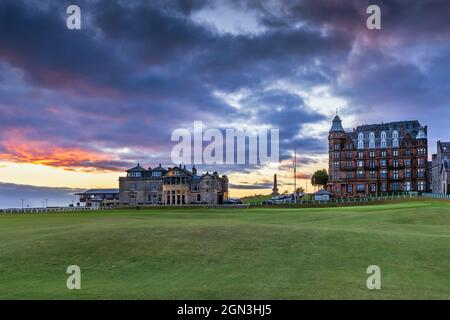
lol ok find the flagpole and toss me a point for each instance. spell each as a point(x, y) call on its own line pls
point(295, 175)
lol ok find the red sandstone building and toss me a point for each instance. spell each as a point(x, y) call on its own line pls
point(378, 159)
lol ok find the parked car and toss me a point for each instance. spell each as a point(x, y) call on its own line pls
point(232, 201)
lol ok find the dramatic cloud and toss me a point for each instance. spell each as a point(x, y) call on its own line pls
point(109, 95)
point(11, 196)
point(266, 185)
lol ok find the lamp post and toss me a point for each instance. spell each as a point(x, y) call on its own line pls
point(22, 202)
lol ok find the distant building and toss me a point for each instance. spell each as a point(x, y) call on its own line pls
point(275, 186)
point(322, 195)
point(378, 158)
point(172, 186)
point(440, 164)
point(282, 199)
point(99, 198)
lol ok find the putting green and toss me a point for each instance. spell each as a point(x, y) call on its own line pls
point(259, 253)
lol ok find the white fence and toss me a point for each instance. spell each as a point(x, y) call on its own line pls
point(382, 197)
point(299, 202)
point(437, 196)
point(53, 209)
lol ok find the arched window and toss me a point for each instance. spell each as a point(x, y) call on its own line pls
point(361, 136)
point(383, 139)
point(395, 143)
point(395, 134)
point(371, 140)
point(361, 140)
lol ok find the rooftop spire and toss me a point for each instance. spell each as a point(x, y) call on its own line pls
point(337, 124)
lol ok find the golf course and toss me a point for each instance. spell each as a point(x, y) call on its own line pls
point(255, 253)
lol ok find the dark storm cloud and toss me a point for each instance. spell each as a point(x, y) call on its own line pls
point(34, 38)
point(288, 113)
point(137, 70)
point(266, 185)
point(398, 72)
point(11, 195)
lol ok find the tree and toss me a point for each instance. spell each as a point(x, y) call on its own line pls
point(300, 190)
point(320, 178)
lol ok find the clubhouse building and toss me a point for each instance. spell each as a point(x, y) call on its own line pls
point(378, 158)
point(172, 186)
point(99, 198)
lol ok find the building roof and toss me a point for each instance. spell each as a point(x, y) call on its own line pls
point(99, 191)
point(322, 192)
point(147, 174)
point(138, 168)
point(445, 146)
point(403, 128)
point(446, 166)
point(182, 169)
point(422, 133)
point(159, 169)
point(337, 125)
point(411, 127)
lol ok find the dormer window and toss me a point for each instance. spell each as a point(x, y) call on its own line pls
point(156, 174)
point(135, 174)
point(361, 140)
point(383, 139)
point(395, 143)
point(371, 140)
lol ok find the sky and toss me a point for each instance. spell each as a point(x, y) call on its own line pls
point(78, 107)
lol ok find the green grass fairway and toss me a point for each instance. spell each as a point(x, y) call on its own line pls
point(260, 253)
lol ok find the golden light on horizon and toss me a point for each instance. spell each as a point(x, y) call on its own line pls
point(43, 173)
point(40, 175)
